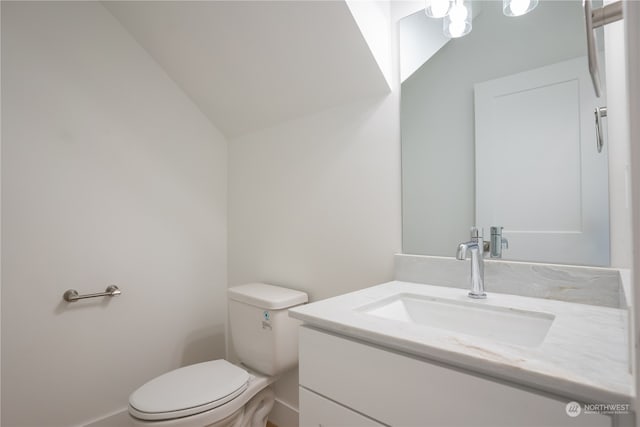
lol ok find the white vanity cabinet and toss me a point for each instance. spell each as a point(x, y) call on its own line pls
point(344, 382)
point(319, 411)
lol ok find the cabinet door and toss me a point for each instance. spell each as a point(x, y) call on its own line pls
point(400, 390)
point(316, 411)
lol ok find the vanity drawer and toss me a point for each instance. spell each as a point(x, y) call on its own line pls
point(401, 390)
point(316, 411)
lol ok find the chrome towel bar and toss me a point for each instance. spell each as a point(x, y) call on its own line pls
point(72, 295)
point(595, 18)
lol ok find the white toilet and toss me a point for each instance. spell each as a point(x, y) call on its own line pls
point(218, 393)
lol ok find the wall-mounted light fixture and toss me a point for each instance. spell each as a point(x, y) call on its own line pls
point(457, 20)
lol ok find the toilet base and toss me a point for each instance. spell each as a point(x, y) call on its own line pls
point(253, 414)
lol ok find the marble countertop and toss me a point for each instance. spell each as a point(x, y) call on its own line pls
point(584, 356)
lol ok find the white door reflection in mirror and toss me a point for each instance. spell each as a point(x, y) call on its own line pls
point(538, 172)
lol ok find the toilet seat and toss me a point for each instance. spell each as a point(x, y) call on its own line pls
point(188, 391)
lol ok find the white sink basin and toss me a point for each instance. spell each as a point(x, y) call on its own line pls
point(476, 318)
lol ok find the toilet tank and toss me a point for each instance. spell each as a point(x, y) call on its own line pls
point(264, 337)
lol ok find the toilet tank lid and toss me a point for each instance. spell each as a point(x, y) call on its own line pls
point(267, 296)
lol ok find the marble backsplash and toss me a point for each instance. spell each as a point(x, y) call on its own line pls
point(585, 285)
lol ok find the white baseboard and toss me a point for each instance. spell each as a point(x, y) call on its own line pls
point(283, 414)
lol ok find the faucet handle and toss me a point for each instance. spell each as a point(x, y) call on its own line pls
point(475, 234)
point(497, 242)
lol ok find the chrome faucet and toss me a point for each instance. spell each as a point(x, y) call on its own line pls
point(477, 248)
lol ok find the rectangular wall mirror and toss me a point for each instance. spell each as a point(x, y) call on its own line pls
point(498, 130)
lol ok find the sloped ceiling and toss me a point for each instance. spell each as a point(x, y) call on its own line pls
point(252, 64)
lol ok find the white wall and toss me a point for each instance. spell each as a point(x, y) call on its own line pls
point(0, 217)
point(314, 204)
point(632, 35)
point(617, 139)
point(374, 21)
point(110, 174)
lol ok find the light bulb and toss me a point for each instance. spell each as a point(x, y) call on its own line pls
point(458, 13)
point(518, 7)
point(437, 8)
point(456, 28)
point(458, 22)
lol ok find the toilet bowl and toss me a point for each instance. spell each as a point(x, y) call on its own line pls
point(181, 398)
point(218, 393)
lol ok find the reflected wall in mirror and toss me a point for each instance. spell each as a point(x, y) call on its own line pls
point(498, 129)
